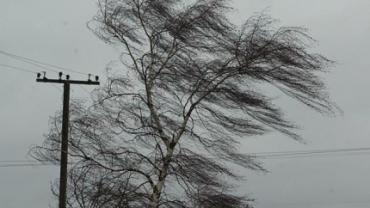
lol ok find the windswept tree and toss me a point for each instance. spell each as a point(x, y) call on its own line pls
point(164, 129)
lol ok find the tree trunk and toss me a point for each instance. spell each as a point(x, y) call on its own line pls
point(157, 190)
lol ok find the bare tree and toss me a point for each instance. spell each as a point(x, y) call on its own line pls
point(163, 130)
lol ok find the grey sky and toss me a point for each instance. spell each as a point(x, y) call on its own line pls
point(55, 32)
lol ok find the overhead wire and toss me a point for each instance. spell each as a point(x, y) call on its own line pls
point(262, 155)
point(16, 68)
point(311, 156)
point(30, 62)
point(10, 67)
point(18, 161)
point(24, 165)
point(314, 151)
point(40, 63)
point(309, 153)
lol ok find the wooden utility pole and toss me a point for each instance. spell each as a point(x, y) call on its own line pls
point(65, 124)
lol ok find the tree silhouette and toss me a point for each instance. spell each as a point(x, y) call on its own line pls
point(163, 129)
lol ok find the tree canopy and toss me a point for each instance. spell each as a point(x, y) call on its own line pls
point(166, 124)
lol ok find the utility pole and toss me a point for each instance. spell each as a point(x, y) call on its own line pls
point(65, 124)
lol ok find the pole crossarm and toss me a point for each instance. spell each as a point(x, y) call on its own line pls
point(65, 81)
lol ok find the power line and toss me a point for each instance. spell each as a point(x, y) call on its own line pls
point(11, 68)
point(25, 165)
point(307, 153)
point(39, 63)
point(17, 68)
point(262, 155)
point(26, 60)
point(18, 161)
point(314, 151)
point(314, 155)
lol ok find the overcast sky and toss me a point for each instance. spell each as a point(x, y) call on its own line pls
point(55, 32)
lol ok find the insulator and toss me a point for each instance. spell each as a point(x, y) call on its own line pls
point(60, 75)
point(67, 76)
point(96, 78)
point(38, 75)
